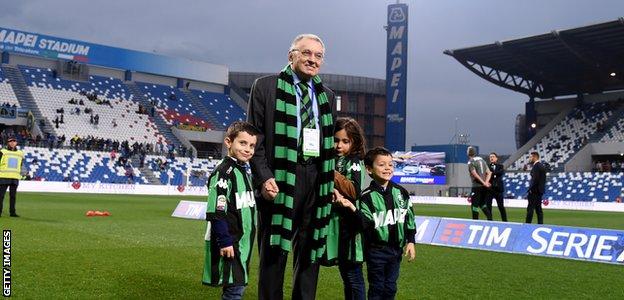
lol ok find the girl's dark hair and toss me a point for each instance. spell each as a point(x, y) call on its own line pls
point(355, 133)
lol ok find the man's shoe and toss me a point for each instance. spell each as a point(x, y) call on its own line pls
point(14, 215)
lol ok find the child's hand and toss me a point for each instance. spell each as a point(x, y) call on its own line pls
point(227, 252)
point(342, 201)
point(410, 251)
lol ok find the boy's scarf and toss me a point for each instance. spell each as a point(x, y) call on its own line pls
point(285, 163)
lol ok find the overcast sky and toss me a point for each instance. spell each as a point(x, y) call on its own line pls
point(255, 35)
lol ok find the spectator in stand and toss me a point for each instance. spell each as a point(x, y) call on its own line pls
point(96, 119)
point(80, 102)
point(114, 122)
point(90, 119)
point(598, 166)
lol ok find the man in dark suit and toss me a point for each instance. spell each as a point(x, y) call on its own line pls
point(496, 189)
point(281, 129)
point(536, 189)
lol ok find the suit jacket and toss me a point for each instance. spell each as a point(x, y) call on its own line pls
point(496, 180)
point(538, 179)
point(261, 113)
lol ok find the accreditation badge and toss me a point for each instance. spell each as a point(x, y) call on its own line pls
point(311, 142)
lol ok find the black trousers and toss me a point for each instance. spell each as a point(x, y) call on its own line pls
point(500, 203)
point(535, 203)
point(273, 260)
point(478, 196)
point(12, 194)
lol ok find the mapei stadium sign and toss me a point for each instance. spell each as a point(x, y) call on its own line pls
point(590, 244)
point(50, 47)
point(396, 76)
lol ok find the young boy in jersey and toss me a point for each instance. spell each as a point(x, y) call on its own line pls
point(388, 222)
point(231, 214)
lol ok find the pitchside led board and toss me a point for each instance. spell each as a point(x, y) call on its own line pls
point(419, 167)
point(590, 244)
point(396, 76)
point(45, 46)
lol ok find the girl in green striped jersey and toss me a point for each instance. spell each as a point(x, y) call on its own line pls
point(349, 142)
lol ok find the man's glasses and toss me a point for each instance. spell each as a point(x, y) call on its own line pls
point(309, 54)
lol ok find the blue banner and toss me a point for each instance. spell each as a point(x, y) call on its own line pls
point(396, 76)
point(590, 244)
point(28, 43)
point(426, 228)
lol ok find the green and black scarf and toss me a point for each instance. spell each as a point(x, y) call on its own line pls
point(285, 163)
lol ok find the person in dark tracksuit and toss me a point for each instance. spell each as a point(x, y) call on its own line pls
point(231, 215)
point(387, 221)
point(10, 173)
point(536, 189)
point(497, 190)
point(480, 175)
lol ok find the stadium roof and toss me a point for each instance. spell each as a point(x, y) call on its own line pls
point(587, 59)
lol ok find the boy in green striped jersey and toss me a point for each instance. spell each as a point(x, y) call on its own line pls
point(388, 223)
point(231, 214)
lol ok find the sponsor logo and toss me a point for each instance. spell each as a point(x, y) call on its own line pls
point(396, 15)
point(181, 188)
point(245, 199)
point(76, 185)
point(389, 217)
point(453, 233)
point(222, 183)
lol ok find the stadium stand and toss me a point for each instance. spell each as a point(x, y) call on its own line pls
point(174, 171)
point(569, 135)
point(6, 92)
point(173, 105)
point(570, 186)
point(615, 133)
point(71, 165)
point(51, 94)
point(222, 106)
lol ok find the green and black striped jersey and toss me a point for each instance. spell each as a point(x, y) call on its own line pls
point(231, 202)
point(349, 239)
point(387, 215)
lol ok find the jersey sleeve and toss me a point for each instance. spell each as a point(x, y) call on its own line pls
point(219, 187)
point(363, 215)
point(410, 222)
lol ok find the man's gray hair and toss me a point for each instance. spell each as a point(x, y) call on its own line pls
point(306, 36)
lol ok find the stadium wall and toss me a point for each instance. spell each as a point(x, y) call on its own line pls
point(142, 77)
point(106, 72)
point(582, 160)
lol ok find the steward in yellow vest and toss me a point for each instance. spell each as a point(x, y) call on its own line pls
point(10, 173)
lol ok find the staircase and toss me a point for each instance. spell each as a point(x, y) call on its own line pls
point(163, 128)
point(24, 96)
point(145, 171)
point(199, 106)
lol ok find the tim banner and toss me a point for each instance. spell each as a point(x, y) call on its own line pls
point(50, 47)
point(396, 76)
point(589, 244)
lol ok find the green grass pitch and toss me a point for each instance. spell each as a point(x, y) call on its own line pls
point(142, 252)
